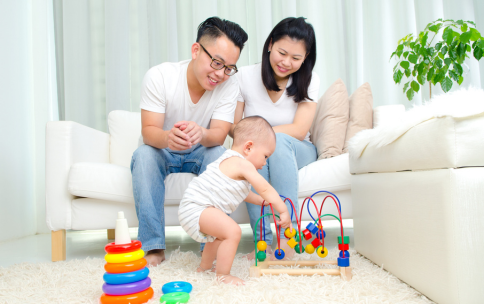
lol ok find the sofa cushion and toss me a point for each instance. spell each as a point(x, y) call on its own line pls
point(113, 183)
point(125, 130)
point(361, 112)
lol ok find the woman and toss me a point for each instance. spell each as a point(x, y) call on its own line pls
point(284, 90)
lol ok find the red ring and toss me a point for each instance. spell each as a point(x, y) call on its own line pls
point(122, 248)
point(125, 267)
point(134, 298)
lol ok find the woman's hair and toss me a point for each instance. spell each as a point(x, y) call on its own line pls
point(297, 29)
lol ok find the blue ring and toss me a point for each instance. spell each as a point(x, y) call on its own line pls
point(177, 286)
point(127, 277)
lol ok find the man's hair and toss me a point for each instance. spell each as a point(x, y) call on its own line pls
point(214, 27)
point(253, 128)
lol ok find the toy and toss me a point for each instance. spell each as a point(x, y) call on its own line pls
point(261, 266)
point(176, 292)
point(126, 278)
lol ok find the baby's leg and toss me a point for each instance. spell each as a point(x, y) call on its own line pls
point(209, 254)
point(216, 223)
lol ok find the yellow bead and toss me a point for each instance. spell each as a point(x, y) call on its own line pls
point(322, 252)
point(261, 245)
point(292, 242)
point(289, 233)
point(310, 249)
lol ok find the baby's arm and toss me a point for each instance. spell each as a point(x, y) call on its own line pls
point(266, 191)
point(255, 199)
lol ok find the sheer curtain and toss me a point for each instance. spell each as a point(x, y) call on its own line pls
point(105, 47)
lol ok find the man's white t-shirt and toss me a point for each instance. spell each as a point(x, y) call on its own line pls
point(165, 90)
point(257, 101)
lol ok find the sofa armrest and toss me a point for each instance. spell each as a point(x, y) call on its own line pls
point(383, 114)
point(66, 143)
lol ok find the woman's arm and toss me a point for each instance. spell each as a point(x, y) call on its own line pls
point(239, 112)
point(302, 121)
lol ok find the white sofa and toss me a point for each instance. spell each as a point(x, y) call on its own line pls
point(418, 194)
point(88, 179)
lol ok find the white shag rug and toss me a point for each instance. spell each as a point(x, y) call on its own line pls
point(80, 281)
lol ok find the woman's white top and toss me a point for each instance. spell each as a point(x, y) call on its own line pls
point(257, 101)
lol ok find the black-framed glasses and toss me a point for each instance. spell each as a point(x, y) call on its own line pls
point(218, 65)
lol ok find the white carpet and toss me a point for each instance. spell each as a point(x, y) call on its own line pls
point(80, 281)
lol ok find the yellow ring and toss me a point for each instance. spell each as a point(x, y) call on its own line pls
point(124, 257)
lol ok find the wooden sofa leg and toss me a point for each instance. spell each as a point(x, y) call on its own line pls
point(111, 234)
point(58, 245)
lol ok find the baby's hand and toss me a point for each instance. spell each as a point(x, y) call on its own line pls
point(285, 220)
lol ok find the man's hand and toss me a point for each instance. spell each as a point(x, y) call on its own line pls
point(192, 130)
point(177, 139)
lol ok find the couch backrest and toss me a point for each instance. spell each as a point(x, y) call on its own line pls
point(125, 131)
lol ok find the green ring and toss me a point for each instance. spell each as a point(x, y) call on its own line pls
point(175, 297)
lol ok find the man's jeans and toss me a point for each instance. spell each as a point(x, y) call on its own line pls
point(149, 168)
point(281, 171)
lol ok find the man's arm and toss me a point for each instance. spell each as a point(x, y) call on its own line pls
point(239, 112)
point(155, 136)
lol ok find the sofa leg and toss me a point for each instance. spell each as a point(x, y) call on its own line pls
point(58, 245)
point(111, 234)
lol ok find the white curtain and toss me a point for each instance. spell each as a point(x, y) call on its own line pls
point(105, 47)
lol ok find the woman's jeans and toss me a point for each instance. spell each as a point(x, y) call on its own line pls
point(281, 171)
point(149, 168)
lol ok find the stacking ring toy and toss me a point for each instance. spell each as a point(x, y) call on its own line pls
point(175, 297)
point(125, 267)
point(122, 248)
point(124, 278)
point(279, 253)
point(124, 257)
point(177, 286)
point(135, 298)
point(124, 289)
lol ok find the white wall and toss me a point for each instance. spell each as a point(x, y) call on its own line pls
point(17, 204)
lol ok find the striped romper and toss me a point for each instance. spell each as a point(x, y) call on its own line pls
point(212, 188)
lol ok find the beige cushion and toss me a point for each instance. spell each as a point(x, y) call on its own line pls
point(329, 126)
point(361, 112)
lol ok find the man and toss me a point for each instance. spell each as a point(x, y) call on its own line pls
point(187, 109)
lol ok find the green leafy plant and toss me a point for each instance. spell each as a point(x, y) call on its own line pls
point(420, 61)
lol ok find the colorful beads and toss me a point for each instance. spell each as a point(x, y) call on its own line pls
point(307, 234)
point(124, 257)
point(296, 248)
point(175, 297)
point(279, 253)
point(319, 235)
point(316, 243)
point(177, 286)
point(343, 246)
point(292, 242)
point(346, 240)
point(322, 252)
point(261, 256)
point(136, 298)
point(312, 228)
point(344, 262)
point(125, 278)
point(310, 248)
point(261, 245)
point(347, 254)
point(122, 248)
point(289, 233)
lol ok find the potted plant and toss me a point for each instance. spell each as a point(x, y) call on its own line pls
point(419, 60)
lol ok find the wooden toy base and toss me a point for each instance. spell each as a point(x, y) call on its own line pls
point(263, 268)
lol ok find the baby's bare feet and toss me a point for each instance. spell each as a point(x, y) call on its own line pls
point(230, 279)
point(155, 257)
point(201, 269)
point(251, 255)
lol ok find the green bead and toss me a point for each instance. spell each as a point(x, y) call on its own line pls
point(261, 256)
point(297, 249)
point(175, 297)
point(346, 239)
point(296, 237)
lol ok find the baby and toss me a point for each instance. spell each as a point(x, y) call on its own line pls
point(222, 187)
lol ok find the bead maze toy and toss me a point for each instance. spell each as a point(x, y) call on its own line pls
point(126, 278)
point(261, 266)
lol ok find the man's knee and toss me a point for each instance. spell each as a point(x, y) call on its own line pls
point(213, 153)
point(145, 154)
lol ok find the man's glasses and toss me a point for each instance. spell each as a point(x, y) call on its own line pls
point(218, 65)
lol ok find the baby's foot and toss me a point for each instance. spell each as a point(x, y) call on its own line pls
point(155, 257)
point(230, 279)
